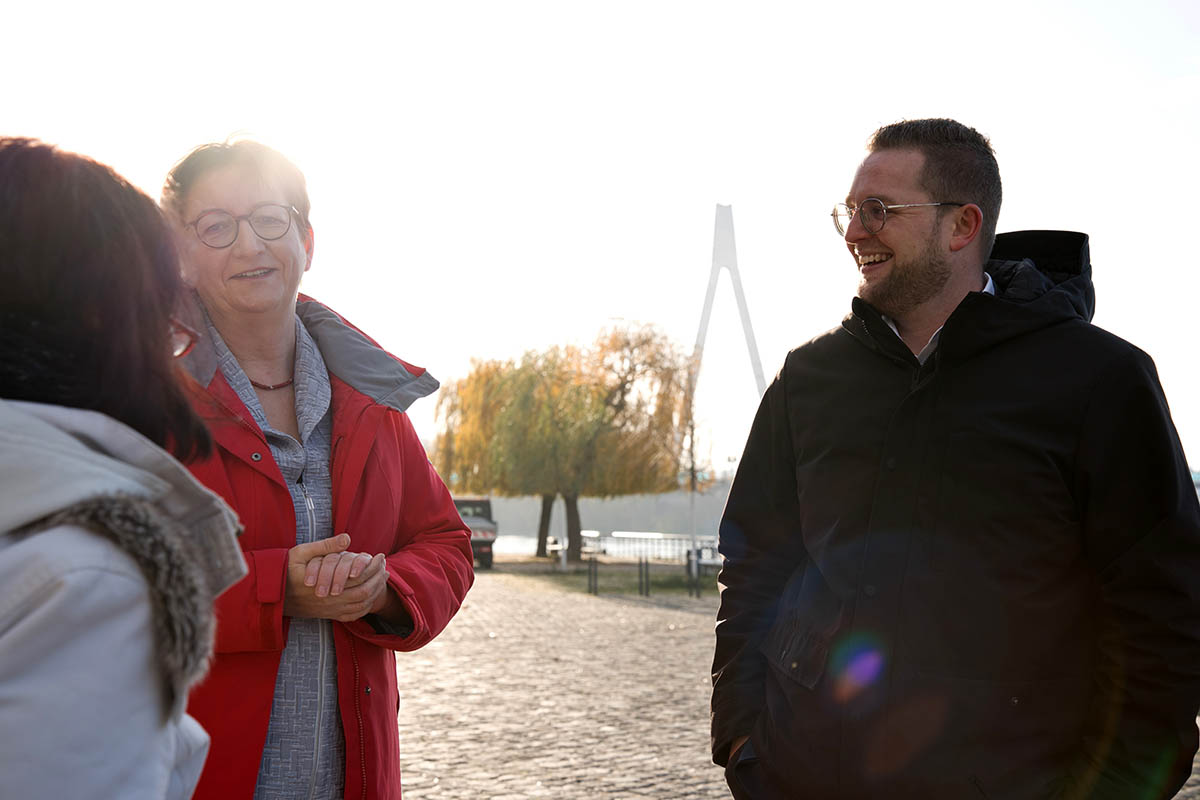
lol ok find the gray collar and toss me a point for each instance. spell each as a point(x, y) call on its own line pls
point(349, 355)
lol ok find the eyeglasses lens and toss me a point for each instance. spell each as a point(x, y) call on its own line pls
point(842, 214)
point(217, 228)
point(181, 343)
point(183, 339)
point(872, 214)
point(270, 222)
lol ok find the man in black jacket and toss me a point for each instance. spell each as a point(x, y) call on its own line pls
point(962, 550)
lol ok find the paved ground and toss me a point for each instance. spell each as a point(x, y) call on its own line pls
point(534, 691)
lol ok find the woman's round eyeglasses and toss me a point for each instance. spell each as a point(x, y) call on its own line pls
point(872, 213)
point(219, 229)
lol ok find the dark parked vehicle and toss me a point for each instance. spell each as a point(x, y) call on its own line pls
point(477, 514)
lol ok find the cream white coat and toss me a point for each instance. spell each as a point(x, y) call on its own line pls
point(81, 693)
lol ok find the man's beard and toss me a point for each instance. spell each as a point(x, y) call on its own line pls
point(908, 284)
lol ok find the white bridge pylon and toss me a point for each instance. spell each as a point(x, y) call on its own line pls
point(725, 257)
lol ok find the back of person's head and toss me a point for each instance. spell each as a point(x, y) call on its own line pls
point(960, 166)
point(89, 280)
point(251, 158)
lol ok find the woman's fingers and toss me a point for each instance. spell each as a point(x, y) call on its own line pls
point(329, 565)
point(361, 562)
point(328, 573)
point(332, 574)
point(351, 565)
point(370, 567)
point(312, 555)
point(321, 547)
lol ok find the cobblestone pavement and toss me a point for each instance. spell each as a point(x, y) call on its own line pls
point(1191, 790)
point(535, 691)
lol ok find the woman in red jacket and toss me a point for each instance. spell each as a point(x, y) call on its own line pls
point(311, 441)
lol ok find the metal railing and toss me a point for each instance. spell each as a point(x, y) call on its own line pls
point(636, 545)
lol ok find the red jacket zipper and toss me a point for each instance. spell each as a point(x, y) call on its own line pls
point(362, 743)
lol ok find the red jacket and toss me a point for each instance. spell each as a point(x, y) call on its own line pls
point(388, 497)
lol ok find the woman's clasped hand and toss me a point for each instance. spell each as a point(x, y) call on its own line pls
point(327, 581)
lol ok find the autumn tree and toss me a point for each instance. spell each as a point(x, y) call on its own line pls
point(470, 454)
point(468, 408)
point(607, 420)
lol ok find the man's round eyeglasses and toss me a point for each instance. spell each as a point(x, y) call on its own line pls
point(218, 228)
point(872, 213)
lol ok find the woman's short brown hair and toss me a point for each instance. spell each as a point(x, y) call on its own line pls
point(253, 158)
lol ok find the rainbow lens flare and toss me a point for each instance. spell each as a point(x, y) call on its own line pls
point(857, 662)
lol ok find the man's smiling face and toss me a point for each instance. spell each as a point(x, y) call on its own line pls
point(905, 264)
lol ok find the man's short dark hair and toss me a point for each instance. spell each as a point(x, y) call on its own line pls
point(960, 165)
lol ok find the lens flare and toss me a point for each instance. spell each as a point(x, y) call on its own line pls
point(857, 662)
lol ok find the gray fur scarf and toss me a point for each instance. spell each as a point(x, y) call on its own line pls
point(180, 594)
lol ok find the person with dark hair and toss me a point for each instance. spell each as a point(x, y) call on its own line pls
point(112, 553)
point(962, 548)
point(354, 544)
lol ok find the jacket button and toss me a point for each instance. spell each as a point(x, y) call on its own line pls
point(891, 462)
point(256, 456)
point(795, 665)
point(369, 691)
point(870, 590)
point(1014, 700)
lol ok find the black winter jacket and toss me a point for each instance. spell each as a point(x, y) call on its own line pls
point(973, 578)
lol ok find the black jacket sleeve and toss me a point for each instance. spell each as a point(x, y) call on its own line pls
point(1141, 525)
point(761, 545)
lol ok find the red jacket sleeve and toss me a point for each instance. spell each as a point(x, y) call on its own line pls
point(430, 569)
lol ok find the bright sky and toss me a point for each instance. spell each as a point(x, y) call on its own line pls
point(492, 177)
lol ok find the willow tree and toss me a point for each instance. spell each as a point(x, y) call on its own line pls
point(466, 452)
point(601, 421)
point(462, 451)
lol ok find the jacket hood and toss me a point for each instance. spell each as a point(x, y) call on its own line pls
point(1052, 270)
point(52, 457)
point(349, 354)
point(1041, 278)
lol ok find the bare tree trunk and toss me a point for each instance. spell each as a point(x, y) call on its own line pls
point(544, 523)
point(574, 538)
